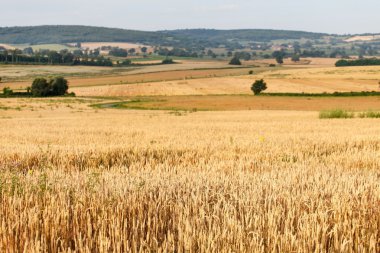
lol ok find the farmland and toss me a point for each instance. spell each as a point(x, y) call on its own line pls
point(183, 158)
point(124, 180)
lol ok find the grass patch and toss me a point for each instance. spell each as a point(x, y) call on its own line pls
point(335, 94)
point(369, 114)
point(336, 114)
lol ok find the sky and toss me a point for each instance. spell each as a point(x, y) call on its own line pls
point(330, 16)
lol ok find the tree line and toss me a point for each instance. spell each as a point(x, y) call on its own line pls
point(358, 62)
point(63, 57)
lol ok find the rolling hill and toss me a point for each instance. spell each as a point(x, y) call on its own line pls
point(65, 34)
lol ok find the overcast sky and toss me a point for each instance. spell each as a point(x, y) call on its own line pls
point(332, 16)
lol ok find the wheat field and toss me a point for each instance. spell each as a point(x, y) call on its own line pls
point(77, 179)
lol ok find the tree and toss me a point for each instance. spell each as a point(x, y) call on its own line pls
point(132, 51)
point(295, 57)
point(258, 86)
point(235, 61)
point(40, 87)
point(167, 61)
point(279, 56)
point(118, 52)
point(28, 50)
point(57, 86)
point(144, 50)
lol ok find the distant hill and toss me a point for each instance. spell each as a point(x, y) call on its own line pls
point(66, 34)
point(189, 38)
point(257, 35)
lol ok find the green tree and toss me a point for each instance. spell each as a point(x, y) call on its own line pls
point(59, 86)
point(295, 57)
point(279, 56)
point(235, 61)
point(258, 86)
point(144, 50)
point(167, 61)
point(132, 51)
point(40, 87)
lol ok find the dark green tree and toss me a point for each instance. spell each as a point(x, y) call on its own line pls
point(59, 86)
point(235, 61)
point(295, 57)
point(279, 56)
point(40, 87)
point(258, 86)
point(167, 61)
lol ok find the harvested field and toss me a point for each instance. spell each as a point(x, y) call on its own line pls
point(16, 76)
point(304, 62)
point(316, 80)
point(233, 103)
point(79, 179)
point(124, 45)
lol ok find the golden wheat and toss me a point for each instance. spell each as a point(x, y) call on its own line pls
point(74, 179)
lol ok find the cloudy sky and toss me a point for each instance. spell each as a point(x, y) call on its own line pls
point(332, 16)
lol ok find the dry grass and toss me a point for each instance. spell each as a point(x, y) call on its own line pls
point(74, 179)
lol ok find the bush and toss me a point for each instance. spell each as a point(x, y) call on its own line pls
point(369, 114)
point(295, 58)
point(336, 114)
point(54, 87)
point(272, 65)
point(168, 61)
point(250, 72)
point(258, 86)
point(235, 61)
point(7, 91)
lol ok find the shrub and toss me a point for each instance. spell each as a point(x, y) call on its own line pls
point(258, 86)
point(295, 58)
point(369, 114)
point(168, 61)
point(336, 114)
point(235, 61)
point(7, 91)
point(250, 72)
point(272, 65)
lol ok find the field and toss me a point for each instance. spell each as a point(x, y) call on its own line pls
point(183, 158)
point(95, 45)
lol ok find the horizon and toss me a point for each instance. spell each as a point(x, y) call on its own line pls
point(341, 17)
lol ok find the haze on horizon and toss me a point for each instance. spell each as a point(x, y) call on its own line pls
point(338, 16)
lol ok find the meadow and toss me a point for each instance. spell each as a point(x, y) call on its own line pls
point(138, 163)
